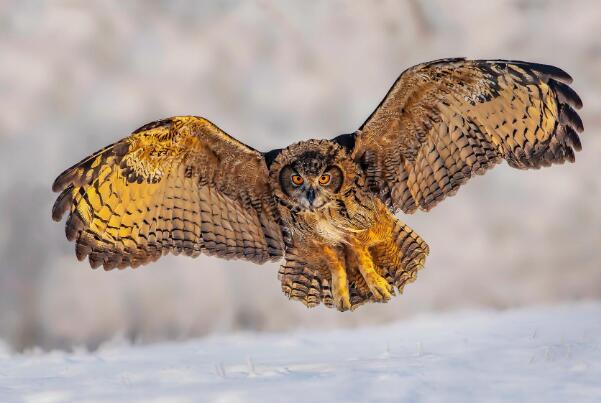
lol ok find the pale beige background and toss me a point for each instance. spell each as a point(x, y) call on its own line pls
point(75, 76)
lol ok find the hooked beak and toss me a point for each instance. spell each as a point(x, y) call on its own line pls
point(311, 200)
point(310, 195)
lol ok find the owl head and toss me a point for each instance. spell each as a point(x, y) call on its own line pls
point(311, 174)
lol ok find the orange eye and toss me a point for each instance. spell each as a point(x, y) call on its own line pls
point(297, 180)
point(324, 179)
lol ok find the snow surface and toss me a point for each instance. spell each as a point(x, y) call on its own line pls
point(543, 354)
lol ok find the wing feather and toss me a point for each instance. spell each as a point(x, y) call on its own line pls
point(444, 121)
point(178, 185)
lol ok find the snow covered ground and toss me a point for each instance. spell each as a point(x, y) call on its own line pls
point(544, 354)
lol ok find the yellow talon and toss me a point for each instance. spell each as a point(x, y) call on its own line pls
point(340, 292)
point(379, 287)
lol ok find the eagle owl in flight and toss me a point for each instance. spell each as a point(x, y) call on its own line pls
point(327, 207)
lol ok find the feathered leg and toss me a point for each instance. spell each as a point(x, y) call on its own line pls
point(380, 288)
point(340, 291)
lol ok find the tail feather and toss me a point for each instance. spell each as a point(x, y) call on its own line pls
point(399, 260)
point(306, 283)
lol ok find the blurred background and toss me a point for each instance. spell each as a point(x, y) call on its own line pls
point(76, 76)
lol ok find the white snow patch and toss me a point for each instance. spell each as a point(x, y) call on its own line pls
point(543, 354)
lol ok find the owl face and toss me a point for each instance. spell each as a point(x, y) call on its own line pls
point(311, 181)
point(311, 175)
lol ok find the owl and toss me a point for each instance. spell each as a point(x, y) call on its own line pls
point(326, 207)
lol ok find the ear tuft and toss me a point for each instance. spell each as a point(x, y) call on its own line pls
point(270, 156)
point(346, 141)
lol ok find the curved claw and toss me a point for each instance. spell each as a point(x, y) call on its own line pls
point(341, 298)
point(381, 290)
point(379, 287)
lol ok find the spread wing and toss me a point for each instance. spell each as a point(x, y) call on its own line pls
point(444, 121)
point(178, 185)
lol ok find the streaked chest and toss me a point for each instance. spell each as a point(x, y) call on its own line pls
point(326, 224)
point(326, 229)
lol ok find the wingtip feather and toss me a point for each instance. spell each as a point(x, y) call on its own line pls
point(573, 138)
point(63, 180)
point(62, 204)
point(566, 94)
point(568, 116)
point(552, 72)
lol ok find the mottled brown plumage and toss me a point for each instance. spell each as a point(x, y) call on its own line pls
point(181, 185)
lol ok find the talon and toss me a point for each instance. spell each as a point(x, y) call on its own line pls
point(342, 300)
point(340, 291)
point(379, 287)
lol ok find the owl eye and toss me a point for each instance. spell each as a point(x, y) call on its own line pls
point(324, 179)
point(297, 180)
